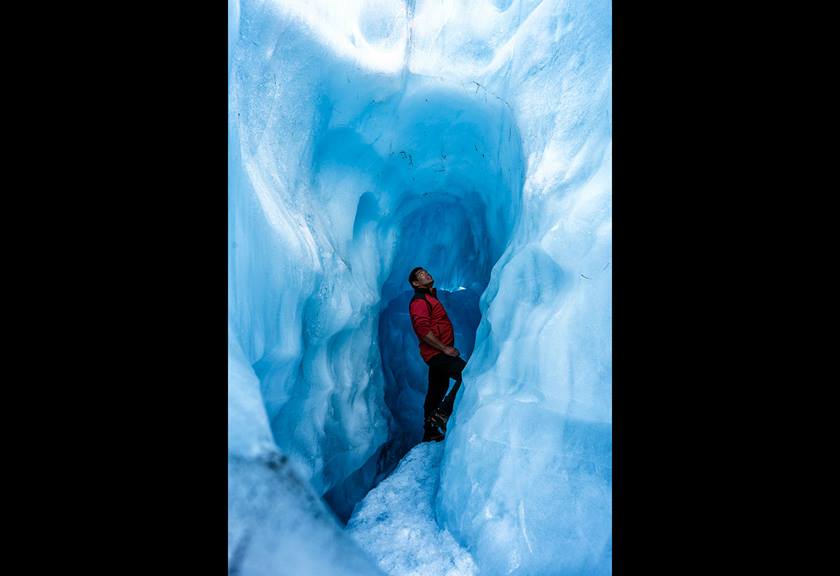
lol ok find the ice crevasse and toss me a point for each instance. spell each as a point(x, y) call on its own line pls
point(472, 138)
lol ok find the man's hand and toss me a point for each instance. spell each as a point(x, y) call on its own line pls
point(432, 341)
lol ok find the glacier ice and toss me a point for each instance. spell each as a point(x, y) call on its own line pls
point(275, 518)
point(395, 523)
point(278, 525)
point(472, 138)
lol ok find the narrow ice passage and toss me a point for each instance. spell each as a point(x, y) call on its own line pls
point(395, 523)
point(470, 137)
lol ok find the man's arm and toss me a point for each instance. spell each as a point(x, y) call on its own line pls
point(433, 341)
point(421, 321)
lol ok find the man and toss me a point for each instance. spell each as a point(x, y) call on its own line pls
point(434, 330)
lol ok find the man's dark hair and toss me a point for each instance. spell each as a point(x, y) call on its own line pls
point(411, 277)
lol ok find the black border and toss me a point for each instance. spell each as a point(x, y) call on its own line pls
point(167, 371)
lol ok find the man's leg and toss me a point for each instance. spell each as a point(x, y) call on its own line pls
point(439, 371)
point(456, 366)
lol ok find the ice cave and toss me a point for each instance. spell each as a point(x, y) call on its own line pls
point(470, 137)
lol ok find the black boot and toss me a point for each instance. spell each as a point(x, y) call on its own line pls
point(439, 419)
point(430, 432)
point(444, 411)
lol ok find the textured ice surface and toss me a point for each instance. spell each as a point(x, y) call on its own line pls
point(472, 138)
point(278, 525)
point(395, 523)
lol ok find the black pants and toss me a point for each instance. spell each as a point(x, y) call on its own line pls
point(441, 369)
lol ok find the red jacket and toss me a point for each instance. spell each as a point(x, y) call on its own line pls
point(438, 322)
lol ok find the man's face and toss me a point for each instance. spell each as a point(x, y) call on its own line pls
point(423, 278)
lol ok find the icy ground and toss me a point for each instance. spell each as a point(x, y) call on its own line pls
point(396, 523)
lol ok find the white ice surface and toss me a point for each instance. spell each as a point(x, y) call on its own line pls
point(396, 525)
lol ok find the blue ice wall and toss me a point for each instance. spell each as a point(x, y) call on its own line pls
point(472, 138)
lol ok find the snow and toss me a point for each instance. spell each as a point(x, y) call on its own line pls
point(472, 138)
point(398, 517)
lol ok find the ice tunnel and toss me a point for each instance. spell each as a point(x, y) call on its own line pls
point(439, 182)
point(424, 173)
point(473, 138)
